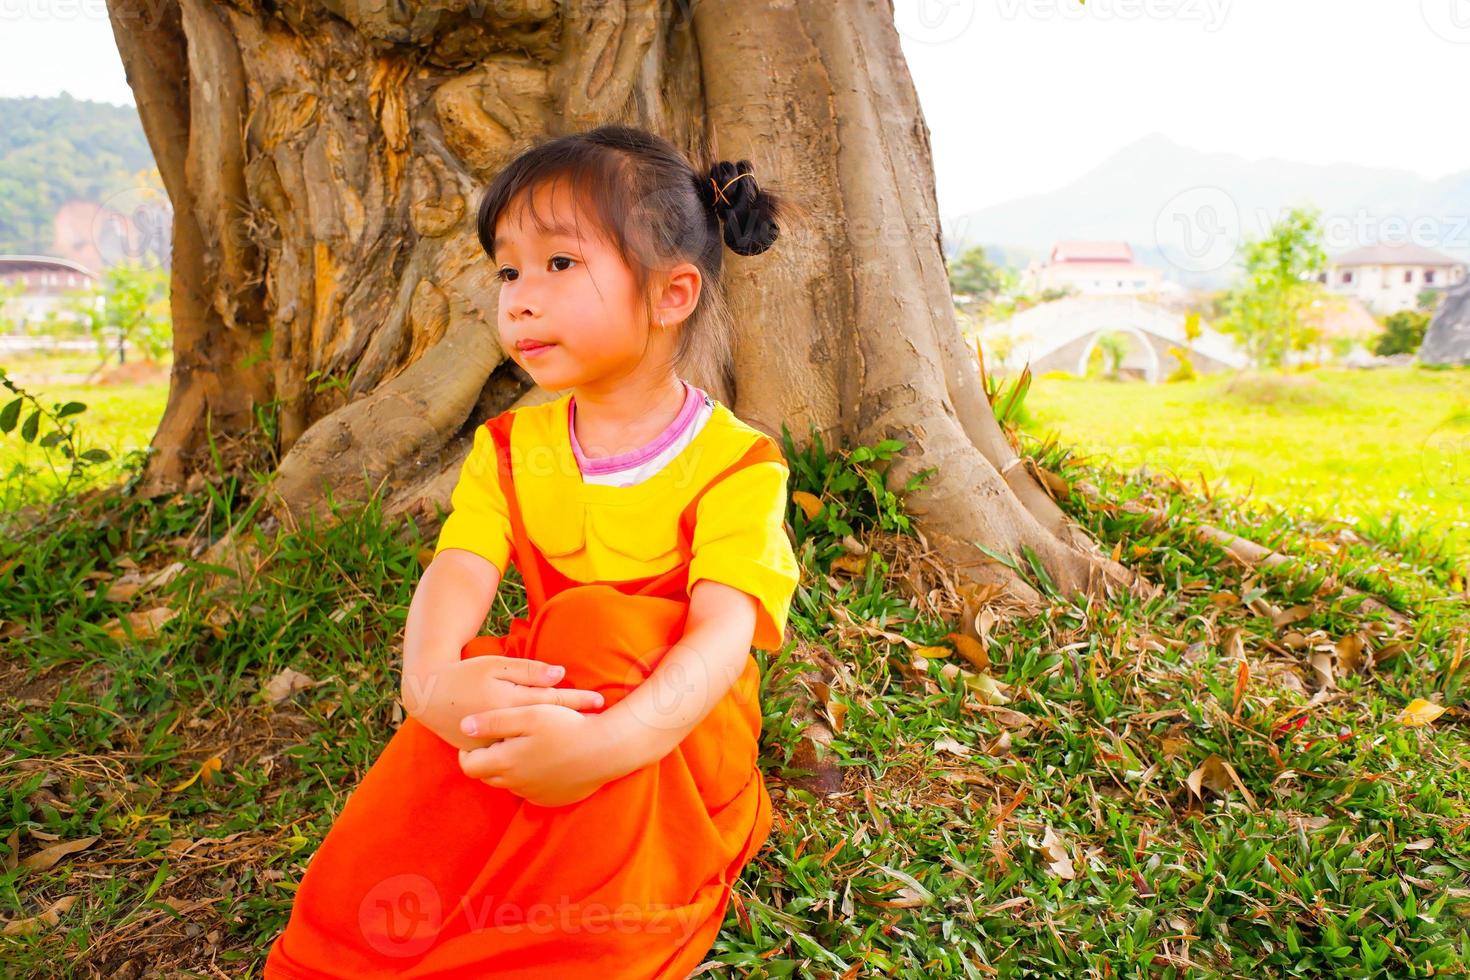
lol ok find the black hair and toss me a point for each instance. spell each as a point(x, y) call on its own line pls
point(657, 210)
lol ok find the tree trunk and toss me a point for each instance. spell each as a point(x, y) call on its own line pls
point(333, 312)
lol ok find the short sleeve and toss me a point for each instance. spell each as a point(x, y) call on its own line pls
point(740, 540)
point(479, 519)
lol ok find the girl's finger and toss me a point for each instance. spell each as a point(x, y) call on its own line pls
point(499, 723)
point(568, 697)
point(482, 764)
point(533, 672)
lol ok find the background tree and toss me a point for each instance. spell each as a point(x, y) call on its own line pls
point(973, 279)
point(128, 306)
point(1278, 282)
point(1403, 333)
point(323, 162)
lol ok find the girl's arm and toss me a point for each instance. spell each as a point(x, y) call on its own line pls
point(690, 679)
point(438, 688)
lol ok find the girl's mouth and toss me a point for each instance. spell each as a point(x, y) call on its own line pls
point(531, 350)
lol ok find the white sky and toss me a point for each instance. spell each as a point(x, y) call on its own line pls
point(1023, 96)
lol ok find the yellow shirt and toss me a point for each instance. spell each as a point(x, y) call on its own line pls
point(597, 532)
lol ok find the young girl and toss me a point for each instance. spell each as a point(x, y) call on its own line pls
point(575, 798)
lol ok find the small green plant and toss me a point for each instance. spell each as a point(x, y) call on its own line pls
point(61, 438)
point(1007, 398)
point(839, 493)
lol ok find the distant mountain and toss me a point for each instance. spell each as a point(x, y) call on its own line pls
point(1181, 209)
point(55, 150)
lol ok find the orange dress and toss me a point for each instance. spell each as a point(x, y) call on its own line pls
point(430, 873)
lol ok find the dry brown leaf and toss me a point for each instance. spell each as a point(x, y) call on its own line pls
point(285, 684)
point(1293, 615)
point(1242, 680)
point(1419, 712)
point(1349, 652)
point(952, 747)
point(1054, 850)
point(1322, 666)
point(44, 859)
point(1218, 776)
point(145, 623)
point(1007, 717)
point(850, 564)
point(809, 503)
point(45, 920)
point(971, 649)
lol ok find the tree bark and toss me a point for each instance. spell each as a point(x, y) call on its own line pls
point(334, 314)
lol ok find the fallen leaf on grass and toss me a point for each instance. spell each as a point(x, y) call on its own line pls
point(46, 919)
point(45, 859)
point(1419, 712)
point(1217, 775)
point(971, 649)
point(951, 746)
point(1054, 850)
point(285, 684)
point(145, 624)
point(809, 503)
point(207, 770)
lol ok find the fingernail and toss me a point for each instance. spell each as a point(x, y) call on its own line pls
point(555, 672)
point(468, 726)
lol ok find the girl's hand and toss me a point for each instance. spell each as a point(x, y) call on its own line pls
point(488, 683)
point(548, 754)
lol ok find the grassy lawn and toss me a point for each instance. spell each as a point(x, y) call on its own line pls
point(1212, 777)
point(1357, 445)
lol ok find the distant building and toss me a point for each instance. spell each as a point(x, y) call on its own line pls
point(45, 282)
point(1094, 269)
point(1389, 278)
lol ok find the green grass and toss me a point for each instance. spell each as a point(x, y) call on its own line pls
point(1350, 858)
point(1357, 445)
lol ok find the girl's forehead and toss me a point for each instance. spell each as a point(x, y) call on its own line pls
point(547, 210)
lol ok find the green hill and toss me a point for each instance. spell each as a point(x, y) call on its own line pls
point(56, 149)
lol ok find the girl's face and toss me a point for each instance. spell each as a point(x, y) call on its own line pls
point(569, 311)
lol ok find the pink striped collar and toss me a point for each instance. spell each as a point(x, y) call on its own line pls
point(693, 398)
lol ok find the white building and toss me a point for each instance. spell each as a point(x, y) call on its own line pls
point(1389, 278)
point(44, 283)
point(1094, 269)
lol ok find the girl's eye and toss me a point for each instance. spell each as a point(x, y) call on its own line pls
point(562, 258)
point(505, 274)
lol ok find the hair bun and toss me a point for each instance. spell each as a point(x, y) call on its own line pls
point(746, 214)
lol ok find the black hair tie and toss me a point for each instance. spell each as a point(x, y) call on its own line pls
point(735, 197)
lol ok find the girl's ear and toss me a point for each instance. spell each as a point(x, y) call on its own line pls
point(678, 295)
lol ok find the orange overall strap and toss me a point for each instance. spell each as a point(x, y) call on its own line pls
point(521, 549)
